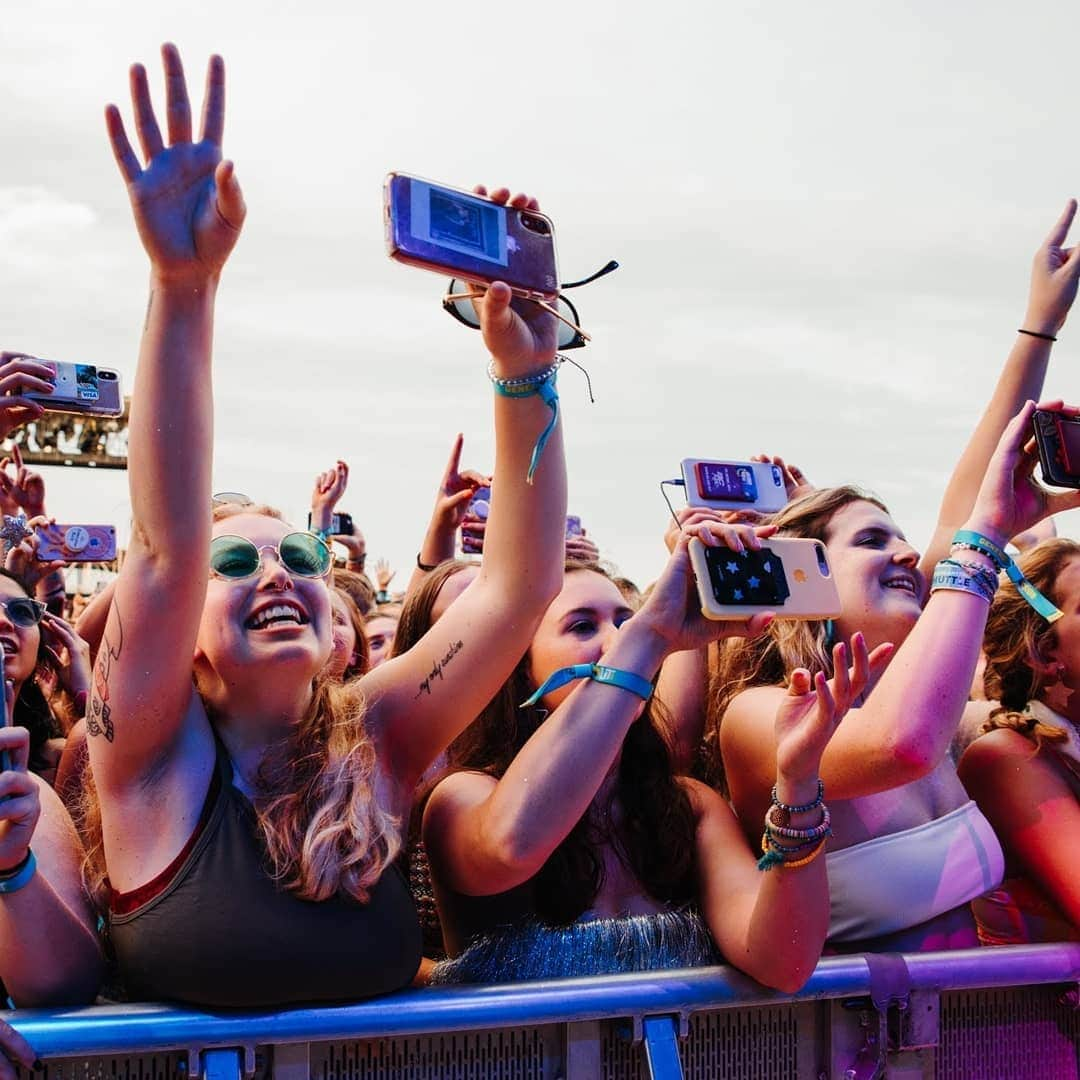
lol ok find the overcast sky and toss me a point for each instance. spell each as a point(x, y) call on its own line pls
point(825, 216)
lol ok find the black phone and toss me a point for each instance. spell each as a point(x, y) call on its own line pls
point(340, 524)
point(1057, 437)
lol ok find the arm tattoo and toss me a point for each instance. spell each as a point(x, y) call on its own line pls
point(149, 306)
point(437, 668)
point(99, 715)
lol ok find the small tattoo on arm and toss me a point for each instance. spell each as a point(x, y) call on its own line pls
point(149, 306)
point(437, 668)
point(99, 715)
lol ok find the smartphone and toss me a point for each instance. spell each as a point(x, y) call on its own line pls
point(340, 524)
point(81, 388)
point(789, 576)
point(478, 508)
point(460, 234)
point(734, 485)
point(77, 543)
point(573, 526)
point(1057, 437)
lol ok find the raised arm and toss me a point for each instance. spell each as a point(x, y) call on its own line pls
point(485, 837)
point(421, 700)
point(188, 211)
point(903, 730)
point(1054, 276)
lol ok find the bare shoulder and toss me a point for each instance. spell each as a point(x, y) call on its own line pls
point(750, 714)
point(455, 793)
point(706, 802)
point(999, 748)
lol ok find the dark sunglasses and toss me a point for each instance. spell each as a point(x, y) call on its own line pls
point(22, 611)
point(458, 302)
point(303, 554)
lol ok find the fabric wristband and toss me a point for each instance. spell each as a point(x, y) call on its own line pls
point(543, 385)
point(21, 875)
point(978, 542)
point(624, 680)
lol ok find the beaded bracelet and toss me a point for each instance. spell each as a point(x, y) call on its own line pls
point(814, 833)
point(789, 810)
point(773, 856)
point(542, 384)
point(768, 842)
point(809, 858)
point(20, 875)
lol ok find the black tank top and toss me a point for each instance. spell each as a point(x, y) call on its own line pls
point(221, 933)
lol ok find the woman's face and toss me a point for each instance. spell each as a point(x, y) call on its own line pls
point(272, 622)
point(20, 643)
point(578, 627)
point(379, 630)
point(875, 569)
point(344, 638)
point(1062, 684)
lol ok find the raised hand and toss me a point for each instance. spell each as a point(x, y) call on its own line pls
point(383, 575)
point(811, 711)
point(519, 334)
point(1010, 499)
point(581, 548)
point(329, 487)
point(672, 608)
point(20, 804)
point(22, 558)
point(186, 200)
point(19, 373)
point(25, 489)
point(1054, 275)
point(68, 654)
point(795, 483)
point(456, 489)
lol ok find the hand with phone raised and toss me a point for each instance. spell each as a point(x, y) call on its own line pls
point(186, 200)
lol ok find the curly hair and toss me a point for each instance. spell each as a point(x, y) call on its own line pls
point(1018, 639)
point(768, 660)
point(655, 838)
point(317, 809)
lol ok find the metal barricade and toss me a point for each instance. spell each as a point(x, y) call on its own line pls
point(1007, 1013)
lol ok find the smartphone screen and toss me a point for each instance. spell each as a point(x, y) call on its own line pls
point(1069, 433)
point(727, 481)
point(753, 578)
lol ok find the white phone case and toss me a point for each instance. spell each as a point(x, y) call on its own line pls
point(769, 480)
point(805, 568)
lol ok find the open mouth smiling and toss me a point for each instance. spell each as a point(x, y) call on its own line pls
point(276, 615)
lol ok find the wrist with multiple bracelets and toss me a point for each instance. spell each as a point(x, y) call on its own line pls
point(541, 384)
point(790, 847)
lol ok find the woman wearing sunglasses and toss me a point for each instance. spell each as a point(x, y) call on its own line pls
point(249, 823)
point(49, 951)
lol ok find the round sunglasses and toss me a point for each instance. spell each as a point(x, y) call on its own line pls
point(303, 554)
point(22, 611)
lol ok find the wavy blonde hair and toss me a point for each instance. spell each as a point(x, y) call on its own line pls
point(741, 663)
point(1017, 640)
point(321, 823)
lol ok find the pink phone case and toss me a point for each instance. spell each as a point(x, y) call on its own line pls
point(77, 543)
point(460, 234)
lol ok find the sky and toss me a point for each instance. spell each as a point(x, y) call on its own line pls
point(825, 217)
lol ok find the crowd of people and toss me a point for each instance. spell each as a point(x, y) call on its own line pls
point(249, 774)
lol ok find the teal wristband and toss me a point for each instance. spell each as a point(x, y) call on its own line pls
point(22, 875)
point(978, 542)
point(543, 385)
point(624, 680)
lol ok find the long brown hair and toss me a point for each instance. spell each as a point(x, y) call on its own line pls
point(655, 838)
point(768, 660)
point(1018, 640)
point(317, 810)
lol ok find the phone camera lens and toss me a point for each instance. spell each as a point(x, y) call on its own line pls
point(107, 376)
point(822, 561)
point(535, 224)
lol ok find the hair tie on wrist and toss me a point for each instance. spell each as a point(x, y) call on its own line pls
point(624, 680)
point(1035, 333)
point(423, 565)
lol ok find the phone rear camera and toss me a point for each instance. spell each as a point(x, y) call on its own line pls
point(822, 561)
point(108, 376)
point(535, 224)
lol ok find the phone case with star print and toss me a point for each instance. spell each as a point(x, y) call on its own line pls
point(789, 576)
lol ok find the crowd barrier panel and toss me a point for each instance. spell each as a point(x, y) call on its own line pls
point(974, 1014)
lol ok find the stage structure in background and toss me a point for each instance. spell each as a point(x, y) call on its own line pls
point(94, 442)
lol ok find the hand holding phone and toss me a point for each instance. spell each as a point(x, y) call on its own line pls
point(80, 388)
point(734, 485)
point(76, 543)
point(1057, 437)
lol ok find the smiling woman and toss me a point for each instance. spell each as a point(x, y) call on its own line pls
point(249, 807)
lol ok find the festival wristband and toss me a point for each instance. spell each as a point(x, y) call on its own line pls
point(978, 542)
point(624, 680)
point(20, 876)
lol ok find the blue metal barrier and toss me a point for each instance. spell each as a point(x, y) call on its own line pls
point(634, 999)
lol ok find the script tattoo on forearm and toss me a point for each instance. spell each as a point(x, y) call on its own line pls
point(437, 668)
point(149, 307)
point(99, 715)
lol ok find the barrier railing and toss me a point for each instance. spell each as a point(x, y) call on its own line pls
point(857, 1016)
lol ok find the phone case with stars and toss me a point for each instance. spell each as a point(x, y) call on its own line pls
point(789, 576)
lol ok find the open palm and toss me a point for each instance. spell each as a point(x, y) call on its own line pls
point(186, 200)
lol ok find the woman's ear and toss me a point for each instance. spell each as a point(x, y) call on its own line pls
point(1043, 661)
